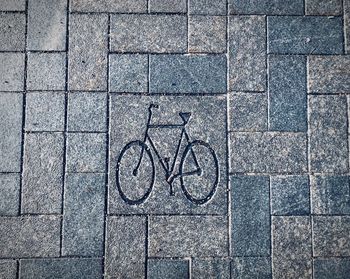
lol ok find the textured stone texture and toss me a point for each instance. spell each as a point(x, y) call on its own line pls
point(347, 26)
point(117, 6)
point(11, 71)
point(331, 268)
point(171, 269)
point(215, 268)
point(251, 267)
point(9, 194)
point(12, 31)
point(325, 7)
point(207, 7)
point(168, 6)
point(8, 269)
point(269, 7)
point(12, 5)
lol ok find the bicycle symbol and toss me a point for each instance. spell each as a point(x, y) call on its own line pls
point(198, 161)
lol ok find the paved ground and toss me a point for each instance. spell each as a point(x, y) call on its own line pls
point(260, 183)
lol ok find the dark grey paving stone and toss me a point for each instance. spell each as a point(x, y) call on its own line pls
point(88, 51)
point(251, 267)
point(42, 173)
point(64, 268)
point(290, 195)
point(305, 35)
point(247, 53)
point(12, 31)
point(287, 93)
point(128, 73)
point(12, 5)
point(291, 247)
point(148, 33)
point(207, 7)
point(250, 211)
point(167, 268)
point(181, 236)
point(331, 268)
point(87, 111)
point(207, 34)
point(45, 111)
point(47, 24)
point(125, 247)
point(331, 236)
point(268, 152)
point(8, 269)
point(268, 7)
point(83, 220)
point(187, 73)
point(327, 7)
point(30, 236)
point(347, 26)
point(214, 268)
point(328, 134)
point(248, 112)
point(167, 6)
point(11, 71)
point(9, 194)
point(117, 6)
point(86, 152)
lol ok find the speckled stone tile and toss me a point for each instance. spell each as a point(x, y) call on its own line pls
point(207, 7)
point(269, 7)
point(167, 6)
point(167, 268)
point(12, 31)
point(335, 268)
point(8, 269)
point(215, 268)
point(11, 71)
point(251, 267)
point(9, 194)
point(116, 6)
point(347, 26)
point(327, 7)
point(12, 5)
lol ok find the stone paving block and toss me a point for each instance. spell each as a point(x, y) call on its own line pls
point(11, 71)
point(291, 247)
point(331, 268)
point(148, 33)
point(83, 220)
point(247, 53)
point(268, 152)
point(290, 195)
point(87, 111)
point(329, 74)
point(12, 5)
point(30, 236)
point(250, 211)
point(167, 268)
point(86, 152)
point(88, 51)
point(328, 134)
point(47, 24)
point(128, 73)
point(248, 112)
point(116, 6)
point(64, 268)
point(347, 26)
point(305, 35)
point(207, 7)
point(268, 7)
point(8, 269)
point(207, 34)
point(9, 194)
point(45, 111)
point(168, 6)
point(125, 247)
point(214, 268)
point(42, 173)
point(251, 267)
point(331, 236)
point(187, 73)
point(325, 7)
point(12, 31)
point(287, 93)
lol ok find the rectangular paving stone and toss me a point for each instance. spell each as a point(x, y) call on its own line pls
point(9, 194)
point(287, 93)
point(347, 26)
point(11, 127)
point(12, 5)
point(116, 6)
point(83, 220)
point(187, 74)
point(126, 247)
point(207, 7)
point(167, 6)
point(215, 268)
point(8, 269)
point(30, 236)
point(47, 24)
point(184, 236)
point(42, 173)
point(167, 268)
point(12, 31)
point(268, 7)
point(251, 267)
point(305, 35)
point(88, 50)
point(268, 152)
point(328, 134)
point(11, 71)
point(326, 7)
point(148, 33)
point(331, 268)
point(250, 211)
point(247, 53)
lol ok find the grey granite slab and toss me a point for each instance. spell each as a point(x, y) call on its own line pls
point(12, 31)
point(167, 268)
point(167, 6)
point(251, 267)
point(117, 6)
point(8, 269)
point(334, 268)
point(215, 268)
point(12, 5)
point(11, 71)
point(207, 7)
point(268, 7)
point(9, 194)
point(347, 26)
point(326, 7)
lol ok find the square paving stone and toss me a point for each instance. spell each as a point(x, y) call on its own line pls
point(325, 7)
point(12, 31)
point(8, 269)
point(207, 7)
point(166, 268)
point(216, 268)
point(116, 6)
point(331, 268)
point(9, 194)
point(11, 71)
point(251, 267)
point(167, 6)
point(268, 7)
point(12, 5)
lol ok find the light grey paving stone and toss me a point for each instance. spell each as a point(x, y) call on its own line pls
point(214, 268)
point(269, 152)
point(45, 111)
point(11, 71)
point(250, 211)
point(116, 6)
point(9, 194)
point(167, 268)
point(207, 34)
point(188, 74)
point(63, 268)
point(291, 247)
point(87, 111)
point(8, 269)
point(11, 127)
point(251, 267)
point(148, 33)
point(30, 236)
point(128, 73)
point(12, 31)
point(290, 195)
point(12, 5)
point(83, 220)
point(47, 24)
point(86, 152)
point(195, 236)
point(268, 7)
point(347, 26)
point(207, 7)
point(325, 7)
point(331, 268)
point(167, 6)
point(88, 51)
point(328, 74)
point(125, 247)
point(328, 134)
point(247, 53)
point(331, 236)
point(42, 173)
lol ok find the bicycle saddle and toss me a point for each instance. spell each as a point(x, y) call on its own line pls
point(185, 116)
